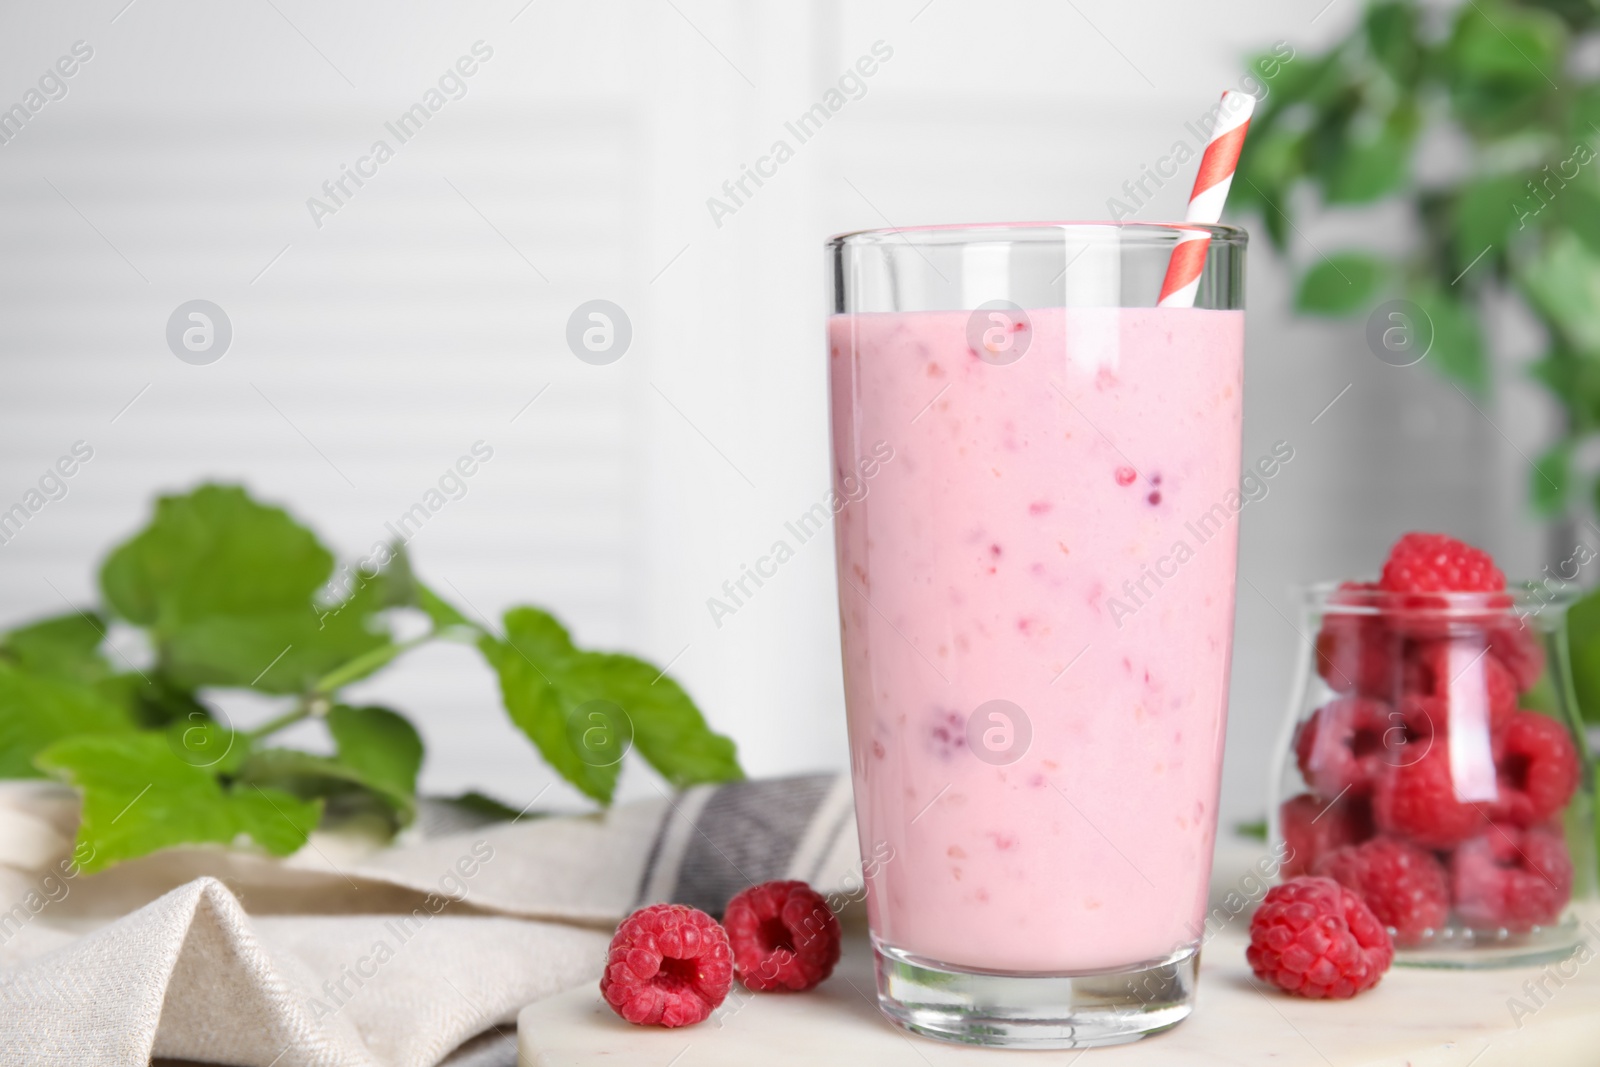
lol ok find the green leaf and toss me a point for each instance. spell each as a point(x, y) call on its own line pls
point(396, 586)
point(228, 587)
point(1269, 202)
point(345, 791)
point(201, 741)
point(1272, 159)
point(482, 804)
point(538, 634)
point(1256, 831)
point(668, 730)
point(1392, 37)
point(1583, 637)
point(1579, 14)
point(1585, 112)
point(280, 652)
point(1328, 135)
point(1578, 207)
point(1502, 63)
point(152, 699)
point(380, 745)
point(541, 709)
point(1339, 284)
point(292, 770)
point(139, 797)
point(1501, 44)
point(393, 585)
point(1548, 481)
point(1573, 378)
point(1485, 221)
point(1374, 166)
point(215, 552)
point(1270, 67)
point(1277, 223)
point(1563, 283)
point(66, 647)
point(291, 649)
point(585, 709)
point(37, 711)
point(1316, 80)
point(1457, 348)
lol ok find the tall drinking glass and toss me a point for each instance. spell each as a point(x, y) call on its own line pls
point(1036, 574)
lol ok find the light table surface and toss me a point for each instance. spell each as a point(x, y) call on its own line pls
point(1414, 1018)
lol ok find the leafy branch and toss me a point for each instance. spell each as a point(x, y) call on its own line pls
point(1508, 203)
point(231, 594)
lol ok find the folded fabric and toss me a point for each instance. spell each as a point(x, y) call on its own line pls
point(345, 956)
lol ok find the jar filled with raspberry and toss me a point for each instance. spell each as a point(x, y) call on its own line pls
point(1435, 762)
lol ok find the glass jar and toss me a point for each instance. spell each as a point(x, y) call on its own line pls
point(1435, 763)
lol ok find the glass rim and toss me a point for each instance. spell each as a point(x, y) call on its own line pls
point(1533, 595)
point(1127, 232)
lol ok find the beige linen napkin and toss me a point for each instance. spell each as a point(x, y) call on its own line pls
point(347, 956)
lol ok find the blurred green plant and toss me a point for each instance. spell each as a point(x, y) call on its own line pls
point(1504, 86)
point(1521, 213)
point(234, 594)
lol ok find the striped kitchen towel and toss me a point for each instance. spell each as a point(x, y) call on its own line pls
point(715, 840)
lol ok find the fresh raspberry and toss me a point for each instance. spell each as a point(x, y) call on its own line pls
point(1314, 938)
point(1420, 718)
point(1405, 886)
point(1435, 563)
point(669, 965)
point(1356, 653)
point(1472, 685)
point(1518, 645)
point(784, 936)
point(1511, 878)
point(1536, 767)
point(1313, 827)
point(1342, 746)
point(1416, 799)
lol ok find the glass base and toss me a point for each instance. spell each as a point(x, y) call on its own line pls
point(1465, 949)
point(1035, 1011)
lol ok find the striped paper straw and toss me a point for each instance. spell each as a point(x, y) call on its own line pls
point(1217, 165)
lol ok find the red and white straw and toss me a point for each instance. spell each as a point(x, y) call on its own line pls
point(1217, 164)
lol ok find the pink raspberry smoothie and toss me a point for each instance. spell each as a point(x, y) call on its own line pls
point(1047, 533)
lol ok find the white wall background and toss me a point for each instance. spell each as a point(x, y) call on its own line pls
point(371, 352)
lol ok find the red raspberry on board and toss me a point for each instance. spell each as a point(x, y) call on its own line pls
point(1416, 798)
point(1405, 886)
point(1436, 563)
point(784, 936)
point(1536, 767)
point(1313, 827)
point(1314, 938)
point(1342, 747)
point(1356, 653)
point(669, 965)
point(1511, 878)
point(1469, 681)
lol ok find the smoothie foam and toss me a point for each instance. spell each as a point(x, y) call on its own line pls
point(988, 562)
